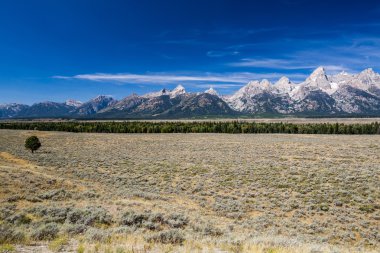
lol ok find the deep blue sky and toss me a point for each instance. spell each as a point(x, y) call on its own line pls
point(59, 49)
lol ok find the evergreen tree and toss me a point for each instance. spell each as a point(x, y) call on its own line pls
point(32, 143)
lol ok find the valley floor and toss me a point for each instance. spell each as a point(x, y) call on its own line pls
point(190, 193)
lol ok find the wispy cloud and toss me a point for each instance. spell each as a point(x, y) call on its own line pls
point(221, 53)
point(270, 63)
point(240, 33)
point(285, 64)
point(170, 78)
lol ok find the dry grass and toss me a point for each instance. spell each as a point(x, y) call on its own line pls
point(237, 193)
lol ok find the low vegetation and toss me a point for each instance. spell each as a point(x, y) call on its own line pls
point(189, 193)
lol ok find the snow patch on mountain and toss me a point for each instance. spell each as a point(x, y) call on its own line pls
point(212, 91)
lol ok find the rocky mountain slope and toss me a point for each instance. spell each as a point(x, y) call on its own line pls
point(320, 94)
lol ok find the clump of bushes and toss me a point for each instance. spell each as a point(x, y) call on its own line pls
point(173, 236)
point(58, 194)
point(19, 219)
point(45, 232)
point(51, 214)
point(74, 229)
point(132, 218)
point(90, 216)
point(153, 221)
point(98, 235)
point(10, 235)
point(207, 229)
point(7, 211)
point(177, 220)
point(367, 208)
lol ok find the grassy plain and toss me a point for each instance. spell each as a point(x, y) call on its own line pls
point(190, 193)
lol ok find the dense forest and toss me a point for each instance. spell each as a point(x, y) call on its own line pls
point(234, 127)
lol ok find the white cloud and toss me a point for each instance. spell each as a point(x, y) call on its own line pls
point(170, 78)
point(270, 63)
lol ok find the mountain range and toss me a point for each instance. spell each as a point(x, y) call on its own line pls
point(320, 94)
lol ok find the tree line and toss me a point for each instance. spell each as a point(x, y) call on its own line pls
point(234, 127)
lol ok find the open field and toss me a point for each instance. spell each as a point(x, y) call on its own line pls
point(87, 192)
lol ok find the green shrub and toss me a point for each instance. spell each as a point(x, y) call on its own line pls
point(6, 248)
point(58, 244)
point(80, 248)
point(367, 208)
point(32, 143)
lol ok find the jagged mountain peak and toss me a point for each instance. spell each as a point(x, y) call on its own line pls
point(320, 93)
point(179, 88)
point(283, 80)
point(318, 79)
point(318, 74)
point(177, 91)
point(102, 97)
point(212, 91)
point(265, 83)
point(368, 71)
point(284, 85)
point(74, 103)
point(366, 79)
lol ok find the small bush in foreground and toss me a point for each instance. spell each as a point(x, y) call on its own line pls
point(98, 235)
point(131, 218)
point(6, 248)
point(45, 232)
point(367, 208)
point(173, 236)
point(74, 229)
point(10, 235)
point(58, 244)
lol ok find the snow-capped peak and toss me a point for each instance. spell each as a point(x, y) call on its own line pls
point(212, 91)
point(72, 102)
point(283, 80)
point(101, 98)
point(284, 85)
point(177, 91)
point(265, 83)
point(368, 71)
point(318, 74)
point(368, 77)
point(318, 79)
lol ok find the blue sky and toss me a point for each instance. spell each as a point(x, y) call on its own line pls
point(55, 50)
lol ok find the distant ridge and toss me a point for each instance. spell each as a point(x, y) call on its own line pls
point(320, 94)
